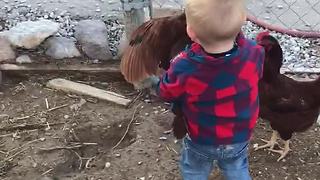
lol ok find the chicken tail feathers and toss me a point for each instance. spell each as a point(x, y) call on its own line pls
point(150, 44)
point(137, 62)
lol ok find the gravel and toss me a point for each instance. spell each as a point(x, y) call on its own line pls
point(18, 11)
point(300, 55)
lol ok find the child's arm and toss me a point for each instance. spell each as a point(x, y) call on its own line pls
point(170, 86)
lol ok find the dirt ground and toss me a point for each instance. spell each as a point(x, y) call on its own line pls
point(77, 143)
point(63, 143)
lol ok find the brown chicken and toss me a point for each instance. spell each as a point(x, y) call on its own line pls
point(152, 45)
point(290, 106)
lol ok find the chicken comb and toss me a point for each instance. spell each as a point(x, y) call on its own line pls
point(261, 35)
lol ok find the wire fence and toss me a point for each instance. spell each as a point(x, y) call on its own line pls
point(293, 17)
point(297, 18)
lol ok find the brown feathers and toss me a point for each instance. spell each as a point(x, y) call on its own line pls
point(179, 127)
point(150, 47)
point(289, 105)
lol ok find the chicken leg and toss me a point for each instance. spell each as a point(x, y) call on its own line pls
point(283, 152)
point(270, 143)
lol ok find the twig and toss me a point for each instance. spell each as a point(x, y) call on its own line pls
point(58, 107)
point(10, 134)
point(314, 163)
point(95, 144)
point(4, 116)
point(85, 143)
point(74, 135)
point(128, 127)
point(48, 127)
point(30, 142)
point(88, 162)
point(14, 155)
point(29, 116)
point(23, 118)
point(47, 103)
point(174, 150)
point(28, 126)
point(61, 147)
point(139, 95)
point(75, 146)
point(46, 172)
point(165, 112)
point(2, 152)
point(168, 148)
point(80, 159)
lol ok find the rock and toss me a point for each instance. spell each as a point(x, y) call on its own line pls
point(30, 34)
point(117, 155)
point(107, 165)
point(318, 121)
point(92, 35)
point(163, 138)
point(23, 59)
point(6, 52)
point(61, 47)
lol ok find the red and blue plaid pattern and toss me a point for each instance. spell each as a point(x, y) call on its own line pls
point(218, 96)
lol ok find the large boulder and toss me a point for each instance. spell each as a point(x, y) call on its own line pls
point(92, 35)
point(30, 34)
point(6, 51)
point(61, 47)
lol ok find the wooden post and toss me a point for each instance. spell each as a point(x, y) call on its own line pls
point(133, 19)
point(135, 14)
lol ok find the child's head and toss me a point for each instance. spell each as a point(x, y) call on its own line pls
point(210, 21)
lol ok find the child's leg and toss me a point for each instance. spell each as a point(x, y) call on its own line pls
point(194, 165)
point(234, 164)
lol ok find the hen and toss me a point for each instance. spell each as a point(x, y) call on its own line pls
point(289, 105)
point(152, 46)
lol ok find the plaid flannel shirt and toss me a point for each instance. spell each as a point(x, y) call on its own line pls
point(218, 96)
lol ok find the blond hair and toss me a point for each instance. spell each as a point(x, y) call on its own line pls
point(215, 20)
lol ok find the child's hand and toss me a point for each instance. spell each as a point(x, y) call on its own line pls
point(154, 80)
point(150, 82)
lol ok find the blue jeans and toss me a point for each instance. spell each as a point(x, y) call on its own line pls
point(197, 161)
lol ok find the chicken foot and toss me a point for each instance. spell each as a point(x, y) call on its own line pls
point(270, 143)
point(283, 152)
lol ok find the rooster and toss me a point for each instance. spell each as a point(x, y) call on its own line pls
point(290, 106)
